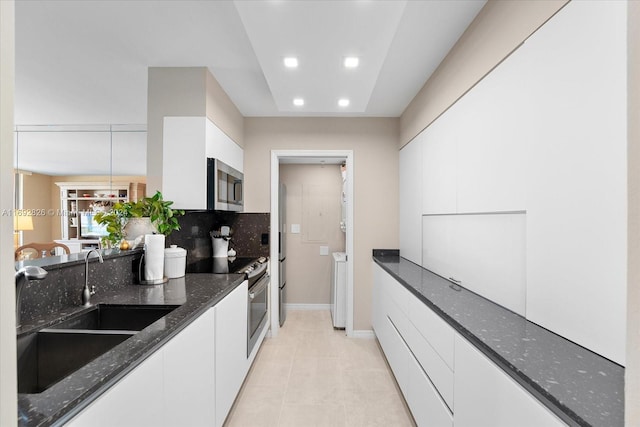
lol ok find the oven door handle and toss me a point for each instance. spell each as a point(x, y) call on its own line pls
point(259, 287)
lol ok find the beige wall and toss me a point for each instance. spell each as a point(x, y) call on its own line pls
point(8, 385)
point(172, 91)
point(184, 91)
point(499, 28)
point(36, 194)
point(223, 112)
point(313, 201)
point(632, 372)
point(375, 146)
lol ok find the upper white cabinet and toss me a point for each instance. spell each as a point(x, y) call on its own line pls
point(439, 167)
point(543, 134)
point(411, 200)
point(187, 142)
point(577, 177)
point(491, 144)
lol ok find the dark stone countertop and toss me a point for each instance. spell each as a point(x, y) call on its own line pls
point(195, 293)
point(580, 386)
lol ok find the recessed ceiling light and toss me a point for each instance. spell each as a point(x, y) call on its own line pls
point(298, 102)
point(351, 61)
point(291, 62)
point(343, 102)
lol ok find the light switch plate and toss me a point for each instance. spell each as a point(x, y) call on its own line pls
point(324, 250)
point(295, 228)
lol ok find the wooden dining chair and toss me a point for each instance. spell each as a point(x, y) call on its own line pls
point(36, 249)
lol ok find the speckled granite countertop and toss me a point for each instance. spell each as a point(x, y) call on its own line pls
point(581, 387)
point(195, 293)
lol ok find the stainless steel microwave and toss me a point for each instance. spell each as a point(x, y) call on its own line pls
point(224, 187)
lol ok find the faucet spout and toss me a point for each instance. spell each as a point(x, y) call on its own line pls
point(86, 291)
point(29, 272)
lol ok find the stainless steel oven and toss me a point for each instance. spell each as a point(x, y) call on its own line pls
point(257, 309)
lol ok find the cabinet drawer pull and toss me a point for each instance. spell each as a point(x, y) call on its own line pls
point(454, 280)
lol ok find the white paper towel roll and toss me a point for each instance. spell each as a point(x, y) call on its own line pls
point(153, 256)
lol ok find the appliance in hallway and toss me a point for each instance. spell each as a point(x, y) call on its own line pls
point(339, 290)
point(282, 253)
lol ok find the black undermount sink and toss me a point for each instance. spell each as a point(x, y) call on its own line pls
point(115, 317)
point(49, 355)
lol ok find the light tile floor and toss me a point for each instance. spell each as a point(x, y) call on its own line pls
point(313, 375)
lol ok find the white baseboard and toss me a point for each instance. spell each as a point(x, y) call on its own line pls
point(307, 307)
point(364, 333)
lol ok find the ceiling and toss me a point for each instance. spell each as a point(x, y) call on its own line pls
point(85, 62)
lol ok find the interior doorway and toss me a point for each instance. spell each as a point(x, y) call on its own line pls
point(336, 157)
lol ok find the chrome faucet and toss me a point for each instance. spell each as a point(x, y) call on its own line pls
point(86, 292)
point(29, 272)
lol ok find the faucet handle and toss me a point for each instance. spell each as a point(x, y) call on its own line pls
point(93, 290)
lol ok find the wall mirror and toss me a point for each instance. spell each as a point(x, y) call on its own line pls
point(63, 173)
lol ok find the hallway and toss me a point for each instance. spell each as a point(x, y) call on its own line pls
point(313, 375)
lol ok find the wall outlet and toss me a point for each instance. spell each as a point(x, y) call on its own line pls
point(295, 228)
point(324, 250)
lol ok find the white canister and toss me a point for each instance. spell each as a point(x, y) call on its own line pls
point(175, 262)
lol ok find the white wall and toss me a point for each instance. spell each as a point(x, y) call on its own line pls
point(8, 385)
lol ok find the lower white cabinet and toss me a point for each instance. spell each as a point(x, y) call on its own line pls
point(445, 380)
point(396, 334)
point(136, 400)
point(192, 380)
point(231, 349)
point(486, 396)
point(424, 400)
point(189, 375)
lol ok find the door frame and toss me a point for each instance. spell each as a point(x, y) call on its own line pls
point(276, 157)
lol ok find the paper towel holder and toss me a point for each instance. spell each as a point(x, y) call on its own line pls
point(149, 282)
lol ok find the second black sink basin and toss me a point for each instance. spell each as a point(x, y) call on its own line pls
point(116, 317)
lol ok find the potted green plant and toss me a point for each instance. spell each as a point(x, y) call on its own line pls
point(154, 211)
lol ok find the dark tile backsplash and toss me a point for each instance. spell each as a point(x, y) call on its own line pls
point(247, 238)
point(62, 288)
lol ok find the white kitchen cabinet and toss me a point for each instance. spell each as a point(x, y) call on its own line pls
point(231, 349)
point(187, 142)
point(189, 374)
point(492, 123)
point(438, 244)
point(439, 167)
point(410, 194)
point(135, 401)
point(577, 186)
point(220, 146)
point(486, 396)
point(484, 253)
point(423, 398)
point(404, 349)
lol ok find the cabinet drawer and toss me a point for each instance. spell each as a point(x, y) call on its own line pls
point(398, 293)
point(435, 330)
point(425, 404)
point(397, 355)
point(440, 374)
